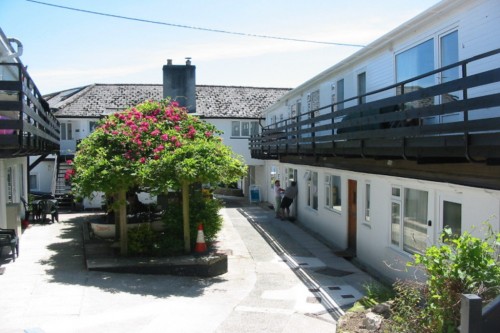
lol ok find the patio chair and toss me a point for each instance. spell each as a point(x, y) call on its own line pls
point(8, 237)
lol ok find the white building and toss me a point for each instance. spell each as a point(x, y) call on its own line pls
point(384, 161)
point(26, 128)
point(234, 110)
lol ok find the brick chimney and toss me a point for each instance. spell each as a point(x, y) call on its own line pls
point(179, 83)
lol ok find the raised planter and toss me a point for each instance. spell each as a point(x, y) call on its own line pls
point(108, 230)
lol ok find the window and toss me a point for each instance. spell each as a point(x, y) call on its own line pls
point(416, 61)
point(313, 101)
point(367, 202)
point(290, 176)
point(235, 128)
point(244, 128)
point(413, 62)
point(92, 126)
point(452, 216)
point(66, 131)
point(340, 94)
point(254, 128)
point(33, 182)
point(361, 87)
point(449, 55)
point(10, 184)
point(312, 189)
point(409, 219)
point(333, 192)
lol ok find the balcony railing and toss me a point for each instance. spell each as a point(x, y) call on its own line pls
point(455, 120)
point(27, 127)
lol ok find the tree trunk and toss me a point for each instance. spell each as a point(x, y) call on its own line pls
point(116, 217)
point(185, 215)
point(122, 211)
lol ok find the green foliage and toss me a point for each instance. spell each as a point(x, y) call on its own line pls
point(409, 313)
point(142, 240)
point(157, 145)
point(463, 264)
point(375, 293)
point(203, 210)
point(150, 142)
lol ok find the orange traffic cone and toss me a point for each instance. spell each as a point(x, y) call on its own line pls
point(201, 246)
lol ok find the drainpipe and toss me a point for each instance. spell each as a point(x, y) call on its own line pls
point(15, 52)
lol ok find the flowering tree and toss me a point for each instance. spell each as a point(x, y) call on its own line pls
point(157, 145)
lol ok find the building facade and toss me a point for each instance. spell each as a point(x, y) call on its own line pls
point(234, 110)
point(397, 141)
point(27, 128)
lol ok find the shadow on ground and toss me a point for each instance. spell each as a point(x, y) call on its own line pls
point(66, 265)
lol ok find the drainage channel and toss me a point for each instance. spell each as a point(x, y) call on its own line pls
point(330, 305)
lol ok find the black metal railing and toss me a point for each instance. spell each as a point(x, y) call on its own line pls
point(454, 120)
point(27, 127)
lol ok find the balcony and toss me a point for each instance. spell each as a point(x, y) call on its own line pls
point(453, 121)
point(27, 127)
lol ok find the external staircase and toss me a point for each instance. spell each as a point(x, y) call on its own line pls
point(62, 191)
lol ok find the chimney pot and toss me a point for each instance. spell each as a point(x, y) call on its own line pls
point(188, 61)
point(169, 62)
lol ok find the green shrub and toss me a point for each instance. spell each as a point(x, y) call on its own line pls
point(203, 210)
point(463, 264)
point(142, 240)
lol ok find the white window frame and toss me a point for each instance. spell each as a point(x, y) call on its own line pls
point(452, 199)
point(244, 128)
point(401, 201)
point(340, 94)
point(92, 125)
point(330, 181)
point(12, 184)
point(312, 189)
point(367, 202)
point(235, 128)
point(66, 130)
point(34, 185)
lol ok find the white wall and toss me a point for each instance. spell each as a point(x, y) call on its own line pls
point(44, 172)
point(20, 167)
point(374, 247)
point(239, 144)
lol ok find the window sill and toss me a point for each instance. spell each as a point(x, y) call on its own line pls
point(312, 210)
point(401, 253)
point(339, 212)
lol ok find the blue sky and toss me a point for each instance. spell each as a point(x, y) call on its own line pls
point(64, 49)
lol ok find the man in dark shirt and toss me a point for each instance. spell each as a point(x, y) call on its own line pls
point(290, 194)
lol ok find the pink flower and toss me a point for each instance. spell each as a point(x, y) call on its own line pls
point(208, 134)
point(158, 149)
point(164, 137)
point(156, 132)
point(142, 160)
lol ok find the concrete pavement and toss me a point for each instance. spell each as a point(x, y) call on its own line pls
point(280, 279)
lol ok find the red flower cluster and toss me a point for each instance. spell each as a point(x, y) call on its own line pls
point(69, 173)
point(149, 129)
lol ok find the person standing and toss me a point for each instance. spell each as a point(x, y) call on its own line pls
point(277, 197)
point(290, 194)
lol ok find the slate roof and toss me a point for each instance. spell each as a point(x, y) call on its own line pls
point(211, 101)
